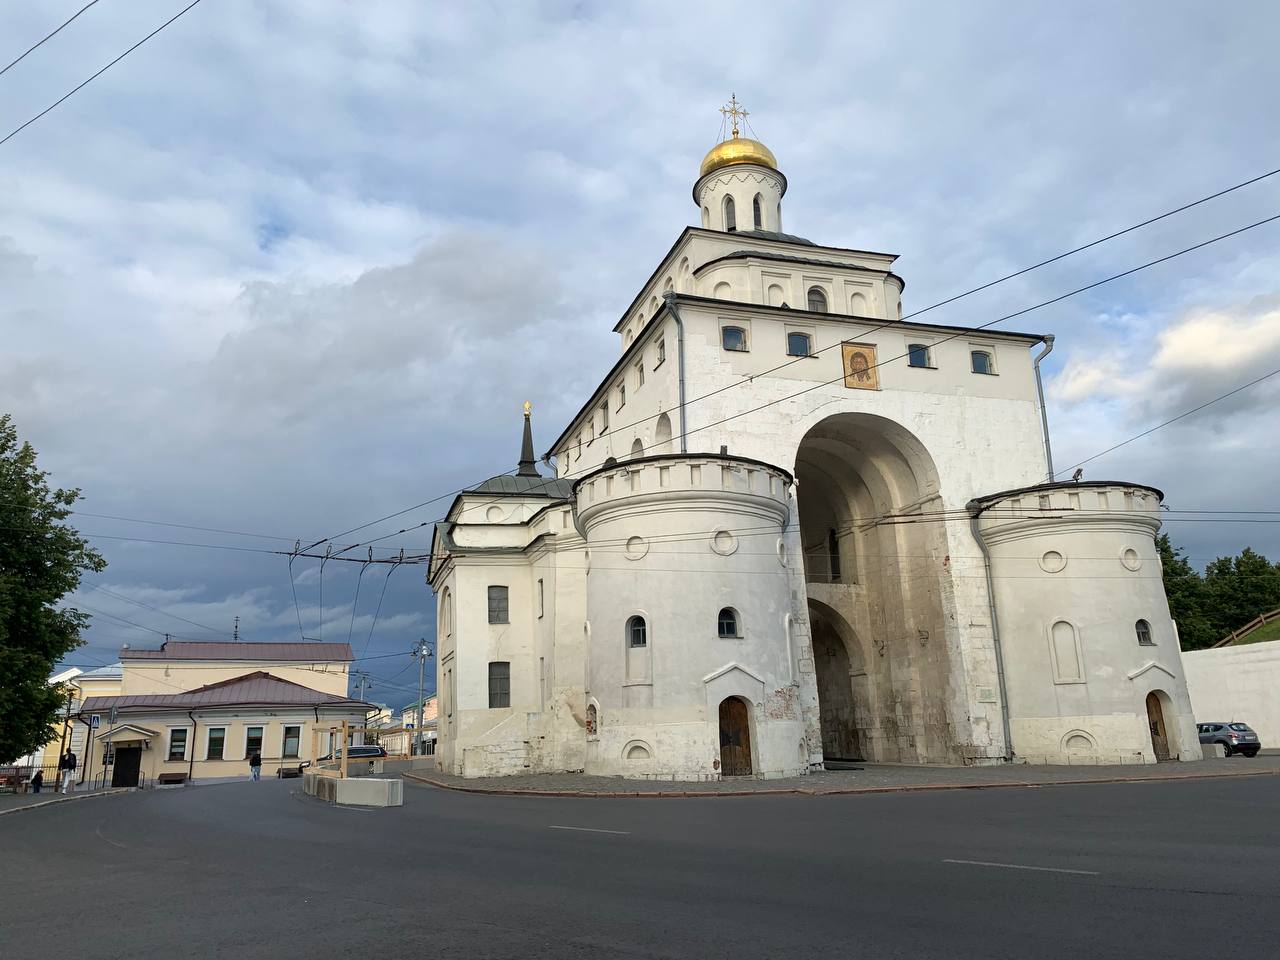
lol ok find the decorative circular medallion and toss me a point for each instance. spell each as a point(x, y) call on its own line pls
point(636, 548)
point(723, 542)
point(493, 514)
point(782, 552)
point(1131, 559)
point(1053, 562)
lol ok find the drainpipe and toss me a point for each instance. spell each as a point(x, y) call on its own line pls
point(191, 766)
point(1047, 340)
point(670, 299)
point(974, 512)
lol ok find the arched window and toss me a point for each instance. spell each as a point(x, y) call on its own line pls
point(918, 355)
point(730, 220)
point(706, 217)
point(757, 216)
point(727, 623)
point(593, 725)
point(817, 300)
point(637, 634)
point(637, 448)
point(662, 434)
point(1143, 630)
point(981, 361)
point(799, 345)
point(734, 338)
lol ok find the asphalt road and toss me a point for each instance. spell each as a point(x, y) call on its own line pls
point(1161, 870)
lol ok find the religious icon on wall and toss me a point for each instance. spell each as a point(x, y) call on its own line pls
point(860, 369)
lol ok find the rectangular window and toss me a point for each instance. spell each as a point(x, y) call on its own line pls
point(252, 741)
point(918, 355)
point(292, 741)
point(604, 417)
point(178, 744)
point(662, 354)
point(734, 339)
point(541, 601)
point(640, 374)
point(498, 605)
point(216, 744)
point(499, 684)
point(799, 345)
point(622, 395)
point(577, 452)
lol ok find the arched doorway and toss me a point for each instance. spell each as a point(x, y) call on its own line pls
point(1159, 732)
point(735, 738)
point(843, 694)
point(876, 580)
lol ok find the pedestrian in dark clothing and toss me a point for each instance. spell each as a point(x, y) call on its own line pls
point(255, 766)
point(37, 781)
point(67, 767)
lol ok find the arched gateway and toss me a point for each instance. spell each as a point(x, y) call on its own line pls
point(874, 562)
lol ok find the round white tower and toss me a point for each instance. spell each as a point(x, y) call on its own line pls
point(1092, 666)
point(690, 675)
point(739, 184)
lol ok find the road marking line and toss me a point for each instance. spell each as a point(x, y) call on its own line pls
point(1023, 866)
point(589, 830)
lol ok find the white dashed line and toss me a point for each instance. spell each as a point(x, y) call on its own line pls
point(589, 830)
point(1023, 866)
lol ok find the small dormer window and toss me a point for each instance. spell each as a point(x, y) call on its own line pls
point(757, 217)
point(730, 220)
point(817, 300)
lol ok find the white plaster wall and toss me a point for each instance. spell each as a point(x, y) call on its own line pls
point(1237, 684)
point(678, 575)
point(1100, 695)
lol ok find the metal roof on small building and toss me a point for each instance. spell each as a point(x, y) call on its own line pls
point(229, 650)
point(254, 689)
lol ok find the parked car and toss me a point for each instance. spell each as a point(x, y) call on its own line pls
point(1235, 737)
point(369, 751)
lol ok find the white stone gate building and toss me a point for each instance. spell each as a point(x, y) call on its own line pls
point(790, 526)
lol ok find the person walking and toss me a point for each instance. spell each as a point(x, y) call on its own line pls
point(67, 767)
point(37, 781)
point(255, 766)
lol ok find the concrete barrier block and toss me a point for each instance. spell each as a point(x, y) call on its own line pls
point(1212, 751)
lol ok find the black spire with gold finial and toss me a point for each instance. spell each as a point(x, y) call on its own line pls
point(528, 464)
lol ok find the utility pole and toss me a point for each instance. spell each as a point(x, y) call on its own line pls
point(362, 681)
point(235, 631)
point(421, 652)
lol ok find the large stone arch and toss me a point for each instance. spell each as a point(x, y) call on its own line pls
point(875, 572)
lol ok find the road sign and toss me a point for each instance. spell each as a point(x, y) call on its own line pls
point(95, 721)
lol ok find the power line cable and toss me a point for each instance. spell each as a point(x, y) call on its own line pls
point(148, 606)
point(17, 130)
point(46, 38)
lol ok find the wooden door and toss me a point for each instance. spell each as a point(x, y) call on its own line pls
point(1159, 735)
point(125, 771)
point(735, 738)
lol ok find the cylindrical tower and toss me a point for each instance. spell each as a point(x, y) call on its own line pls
point(740, 187)
point(690, 674)
point(1093, 672)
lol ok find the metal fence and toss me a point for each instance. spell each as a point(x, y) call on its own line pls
point(17, 779)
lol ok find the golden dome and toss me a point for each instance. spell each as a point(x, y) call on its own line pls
point(737, 150)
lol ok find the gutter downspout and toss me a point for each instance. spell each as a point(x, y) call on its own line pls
point(670, 299)
point(1047, 340)
point(191, 765)
point(974, 512)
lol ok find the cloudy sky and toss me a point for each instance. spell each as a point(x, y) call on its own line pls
point(291, 267)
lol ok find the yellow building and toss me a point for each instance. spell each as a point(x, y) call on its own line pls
point(198, 711)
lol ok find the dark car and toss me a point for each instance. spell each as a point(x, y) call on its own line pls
point(1235, 737)
point(368, 751)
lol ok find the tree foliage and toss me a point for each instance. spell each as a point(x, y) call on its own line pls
point(1230, 593)
point(41, 561)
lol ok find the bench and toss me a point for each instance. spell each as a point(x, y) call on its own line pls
point(166, 779)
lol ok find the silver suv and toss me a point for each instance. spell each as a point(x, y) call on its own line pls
point(1234, 737)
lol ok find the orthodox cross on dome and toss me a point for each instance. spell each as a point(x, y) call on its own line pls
point(732, 111)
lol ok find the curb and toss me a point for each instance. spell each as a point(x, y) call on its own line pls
point(834, 792)
point(71, 799)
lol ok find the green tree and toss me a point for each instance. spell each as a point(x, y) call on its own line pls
point(1185, 589)
point(1239, 588)
point(41, 561)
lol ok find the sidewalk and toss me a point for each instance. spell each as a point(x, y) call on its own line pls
point(867, 778)
point(17, 802)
